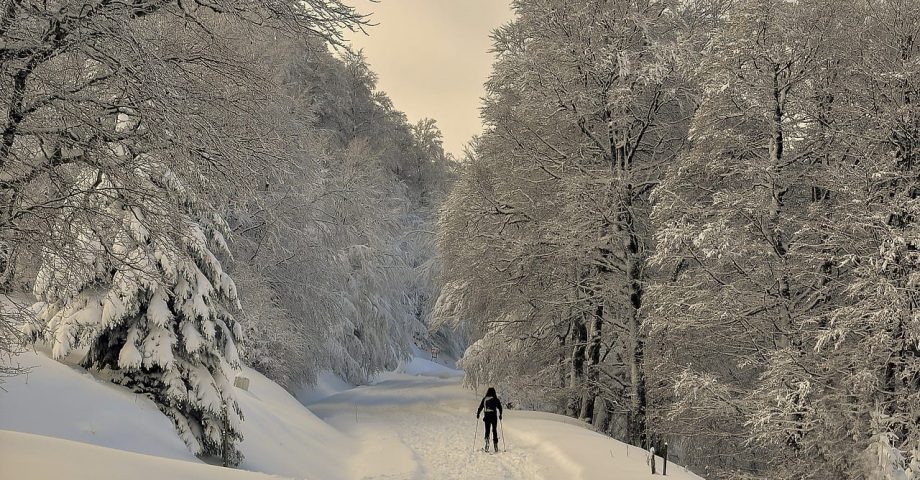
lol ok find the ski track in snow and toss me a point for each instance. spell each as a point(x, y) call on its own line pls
point(421, 429)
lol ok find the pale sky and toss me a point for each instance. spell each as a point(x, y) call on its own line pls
point(432, 58)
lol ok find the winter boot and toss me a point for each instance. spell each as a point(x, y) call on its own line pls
point(486, 448)
point(496, 446)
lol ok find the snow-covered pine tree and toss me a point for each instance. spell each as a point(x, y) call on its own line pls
point(137, 290)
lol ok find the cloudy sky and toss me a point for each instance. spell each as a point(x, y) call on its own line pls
point(432, 57)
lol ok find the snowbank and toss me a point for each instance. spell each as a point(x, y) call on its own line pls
point(57, 400)
point(578, 452)
point(35, 457)
point(421, 367)
point(281, 437)
point(327, 383)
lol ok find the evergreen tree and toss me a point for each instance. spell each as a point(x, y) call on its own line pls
point(146, 306)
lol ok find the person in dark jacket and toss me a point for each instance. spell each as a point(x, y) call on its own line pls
point(492, 407)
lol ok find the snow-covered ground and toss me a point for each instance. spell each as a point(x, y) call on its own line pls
point(416, 423)
point(24, 456)
point(419, 423)
point(70, 410)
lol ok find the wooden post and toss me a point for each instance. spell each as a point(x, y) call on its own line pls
point(664, 457)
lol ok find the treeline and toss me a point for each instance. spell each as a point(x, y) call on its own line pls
point(190, 186)
point(696, 222)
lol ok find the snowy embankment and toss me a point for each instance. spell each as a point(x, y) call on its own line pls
point(70, 415)
point(417, 423)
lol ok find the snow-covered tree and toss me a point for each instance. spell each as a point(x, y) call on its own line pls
point(585, 105)
point(764, 255)
point(336, 240)
point(127, 129)
point(148, 307)
point(732, 209)
point(782, 224)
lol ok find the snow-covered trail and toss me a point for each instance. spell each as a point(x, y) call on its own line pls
point(424, 427)
point(421, 428)
point(59, 421)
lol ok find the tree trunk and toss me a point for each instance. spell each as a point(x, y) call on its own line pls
point(637, 401)
point(592, 373)
point(7, 268)
point(560, 380)
point(606, 420)
point(576, 376)
point(635, 356)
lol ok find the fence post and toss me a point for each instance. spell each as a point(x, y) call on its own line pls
point(664, 456)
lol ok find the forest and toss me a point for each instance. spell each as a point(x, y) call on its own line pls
point(685, 222)
point(695, 222)
point(189, 186)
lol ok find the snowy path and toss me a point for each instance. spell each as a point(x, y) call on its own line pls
point(61, 422)
point(423, 427)
point(419, 428)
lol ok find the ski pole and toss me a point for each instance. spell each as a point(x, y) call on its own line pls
point(476, 435)
point(504, 445)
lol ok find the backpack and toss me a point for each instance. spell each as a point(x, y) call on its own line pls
point(490, 404)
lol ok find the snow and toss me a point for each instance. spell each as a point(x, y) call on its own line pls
point(327, 384)
point(419, 422)
point(35, 457)
point(415, 423)
point(57, 400)
point(281, 437)
point(422, 367)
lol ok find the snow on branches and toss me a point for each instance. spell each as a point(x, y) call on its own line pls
point(148, 306)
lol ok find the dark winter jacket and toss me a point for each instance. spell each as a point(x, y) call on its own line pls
point(491, 404)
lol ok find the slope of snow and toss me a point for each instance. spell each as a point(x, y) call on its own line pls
point(35, 457)
point(417, 423)
point(281, 437)
point(57, 400)
point(421, 367)
point(327, 383)
point(578, 452)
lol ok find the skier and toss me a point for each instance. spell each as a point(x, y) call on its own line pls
point(493, 413)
